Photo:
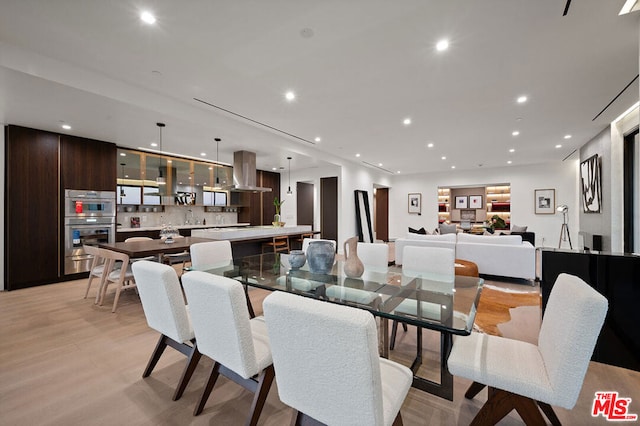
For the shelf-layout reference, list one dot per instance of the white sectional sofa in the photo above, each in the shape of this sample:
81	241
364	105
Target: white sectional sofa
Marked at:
501	255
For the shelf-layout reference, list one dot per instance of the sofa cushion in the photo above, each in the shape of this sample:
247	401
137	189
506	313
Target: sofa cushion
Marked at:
448	228
490	239
516	228
446	237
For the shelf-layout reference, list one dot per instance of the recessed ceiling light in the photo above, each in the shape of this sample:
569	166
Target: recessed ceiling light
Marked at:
406	121
522	99
443	157
318	139
515	133
509	162
66	127
274	168
430	145
379	164
442	45
453	167
567	136
512	150
203	154
123	154
290	96
357	155
558	146
147	18
398	172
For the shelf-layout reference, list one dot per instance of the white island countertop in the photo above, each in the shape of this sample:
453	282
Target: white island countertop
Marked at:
251	232
157	228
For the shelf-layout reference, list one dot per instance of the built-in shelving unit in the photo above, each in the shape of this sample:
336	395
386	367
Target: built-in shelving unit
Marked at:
444	198
499	202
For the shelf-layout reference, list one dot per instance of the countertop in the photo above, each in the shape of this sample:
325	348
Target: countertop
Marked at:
248	233
157	228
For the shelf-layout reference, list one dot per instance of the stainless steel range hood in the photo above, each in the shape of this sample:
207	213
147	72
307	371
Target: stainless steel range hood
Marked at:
244	173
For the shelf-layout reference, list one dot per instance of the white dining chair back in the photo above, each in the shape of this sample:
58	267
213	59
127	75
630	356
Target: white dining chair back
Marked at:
165	310
306	241
554	368
432	263
356	387
211	253
134	239
226	334
374	256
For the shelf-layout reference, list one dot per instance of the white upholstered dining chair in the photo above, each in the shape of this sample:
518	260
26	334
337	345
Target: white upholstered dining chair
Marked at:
436	264
524	376
374	256
214	253
327	364
166	312
238	345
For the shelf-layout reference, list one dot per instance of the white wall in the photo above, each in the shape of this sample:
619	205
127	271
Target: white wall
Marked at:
351	176
561	176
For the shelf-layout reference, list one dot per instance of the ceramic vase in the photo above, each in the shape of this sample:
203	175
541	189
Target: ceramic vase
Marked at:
353	266
297	259
320	256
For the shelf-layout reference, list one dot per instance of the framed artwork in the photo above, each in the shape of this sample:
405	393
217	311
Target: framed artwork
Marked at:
462	202
415	203
545	201
475	201
591	185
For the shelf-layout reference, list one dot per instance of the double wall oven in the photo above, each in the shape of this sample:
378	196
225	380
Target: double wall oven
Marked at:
90	219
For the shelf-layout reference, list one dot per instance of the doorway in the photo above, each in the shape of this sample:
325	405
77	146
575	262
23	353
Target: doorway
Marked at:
631	165
304	204
329	208
381	213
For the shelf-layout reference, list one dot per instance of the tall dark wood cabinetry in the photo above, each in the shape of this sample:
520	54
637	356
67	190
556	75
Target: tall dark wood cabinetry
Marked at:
39	165
32	215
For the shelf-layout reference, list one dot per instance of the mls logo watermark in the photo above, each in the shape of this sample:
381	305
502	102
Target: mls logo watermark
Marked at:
612	407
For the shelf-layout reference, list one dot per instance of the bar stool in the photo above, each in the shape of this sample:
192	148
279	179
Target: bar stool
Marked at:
279	243
301	238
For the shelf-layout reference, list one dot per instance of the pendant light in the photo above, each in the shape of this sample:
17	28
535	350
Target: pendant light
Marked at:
122	193
217	180
289	192
160	180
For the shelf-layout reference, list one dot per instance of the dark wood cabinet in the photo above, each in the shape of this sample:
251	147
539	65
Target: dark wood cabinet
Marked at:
87	164
257	207
32	207
39	165
615	276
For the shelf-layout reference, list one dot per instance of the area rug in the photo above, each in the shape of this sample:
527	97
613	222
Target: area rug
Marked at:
495	304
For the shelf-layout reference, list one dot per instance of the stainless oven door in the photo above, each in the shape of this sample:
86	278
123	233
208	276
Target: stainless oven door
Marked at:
84	231
89	203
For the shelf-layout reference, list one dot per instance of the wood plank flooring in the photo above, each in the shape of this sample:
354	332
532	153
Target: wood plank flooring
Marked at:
65	361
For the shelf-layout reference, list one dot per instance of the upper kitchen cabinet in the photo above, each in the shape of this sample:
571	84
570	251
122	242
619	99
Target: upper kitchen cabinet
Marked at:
87	164
129	181
182	187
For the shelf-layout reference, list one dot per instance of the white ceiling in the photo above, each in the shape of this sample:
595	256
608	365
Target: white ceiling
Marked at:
368	65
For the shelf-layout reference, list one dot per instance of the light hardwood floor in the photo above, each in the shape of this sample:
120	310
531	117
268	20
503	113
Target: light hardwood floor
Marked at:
65	361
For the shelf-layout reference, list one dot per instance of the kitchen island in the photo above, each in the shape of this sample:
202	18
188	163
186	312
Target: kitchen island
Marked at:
248	240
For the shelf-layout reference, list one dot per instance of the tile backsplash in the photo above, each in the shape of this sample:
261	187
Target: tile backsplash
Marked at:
177	215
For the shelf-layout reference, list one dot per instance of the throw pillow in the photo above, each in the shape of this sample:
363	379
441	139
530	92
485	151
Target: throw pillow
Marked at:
420	231
448	229
516	228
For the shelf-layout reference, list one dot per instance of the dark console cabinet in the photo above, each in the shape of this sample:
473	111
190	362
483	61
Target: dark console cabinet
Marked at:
617	277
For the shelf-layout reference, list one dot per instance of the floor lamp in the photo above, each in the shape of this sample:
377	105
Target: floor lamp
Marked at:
564	230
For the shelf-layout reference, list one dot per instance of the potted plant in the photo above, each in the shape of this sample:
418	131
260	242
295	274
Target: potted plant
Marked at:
276	219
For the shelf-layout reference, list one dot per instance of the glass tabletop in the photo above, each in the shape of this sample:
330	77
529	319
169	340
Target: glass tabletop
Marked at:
390	293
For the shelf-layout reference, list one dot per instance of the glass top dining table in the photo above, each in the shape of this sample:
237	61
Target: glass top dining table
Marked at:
389	293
